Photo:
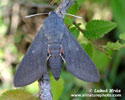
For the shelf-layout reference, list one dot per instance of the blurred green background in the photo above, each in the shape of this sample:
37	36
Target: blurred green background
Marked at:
17	33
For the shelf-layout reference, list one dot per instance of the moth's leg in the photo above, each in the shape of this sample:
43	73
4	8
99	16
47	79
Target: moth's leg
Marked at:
61	53
49	55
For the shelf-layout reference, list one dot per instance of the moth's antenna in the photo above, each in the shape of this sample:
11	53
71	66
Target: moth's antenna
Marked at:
36	15
48	13
74	15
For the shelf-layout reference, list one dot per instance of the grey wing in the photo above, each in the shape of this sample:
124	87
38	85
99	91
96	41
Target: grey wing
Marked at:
33	64
77	60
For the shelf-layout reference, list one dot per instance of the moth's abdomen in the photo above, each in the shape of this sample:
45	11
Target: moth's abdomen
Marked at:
55	60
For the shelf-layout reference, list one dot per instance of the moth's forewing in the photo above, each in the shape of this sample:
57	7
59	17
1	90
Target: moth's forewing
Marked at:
77	60
33	64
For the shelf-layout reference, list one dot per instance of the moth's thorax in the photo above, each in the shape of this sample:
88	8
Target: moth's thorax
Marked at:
53	32
53	35
54	27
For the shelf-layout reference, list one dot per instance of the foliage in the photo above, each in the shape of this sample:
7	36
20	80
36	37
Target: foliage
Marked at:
57	87
96	29
118	8
17	94
75	31
73	10
114	46
122	36
99	37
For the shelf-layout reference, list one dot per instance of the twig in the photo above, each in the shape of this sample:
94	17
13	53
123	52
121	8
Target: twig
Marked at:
78	26
63	7
45	88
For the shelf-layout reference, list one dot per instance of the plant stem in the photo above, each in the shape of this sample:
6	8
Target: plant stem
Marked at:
63	7
45	88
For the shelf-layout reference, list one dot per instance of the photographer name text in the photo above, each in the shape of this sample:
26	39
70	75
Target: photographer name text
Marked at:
105	90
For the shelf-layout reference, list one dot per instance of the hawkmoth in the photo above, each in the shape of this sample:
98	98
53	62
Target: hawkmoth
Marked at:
55	44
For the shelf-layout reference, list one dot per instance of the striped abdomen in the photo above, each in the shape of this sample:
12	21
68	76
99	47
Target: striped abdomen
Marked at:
55	60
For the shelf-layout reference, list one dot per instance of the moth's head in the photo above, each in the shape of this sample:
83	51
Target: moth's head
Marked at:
52	13
53	21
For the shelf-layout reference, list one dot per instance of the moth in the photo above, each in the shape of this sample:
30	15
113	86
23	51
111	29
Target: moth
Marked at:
55	44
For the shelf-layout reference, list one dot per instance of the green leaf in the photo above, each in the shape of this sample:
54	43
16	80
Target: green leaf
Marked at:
88	48
75	32
114	46
122	36
32	88
17	94
72	10
57	87
101	60
69	83
68	20
80	2
118	10
96	29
